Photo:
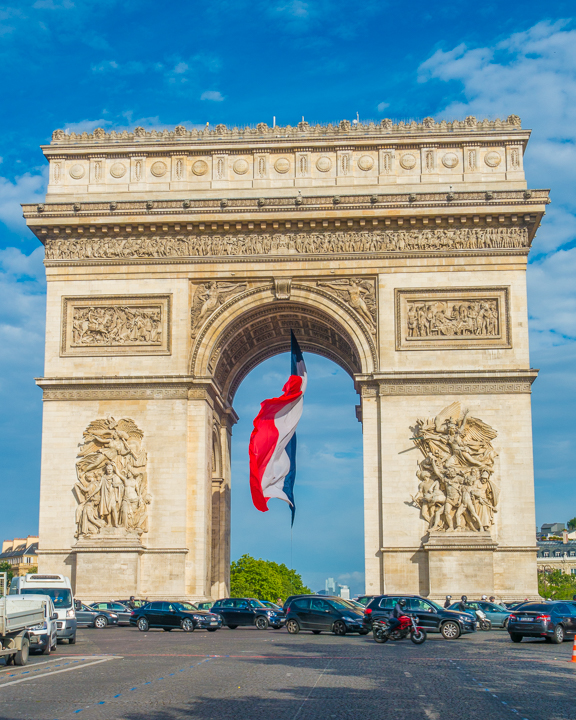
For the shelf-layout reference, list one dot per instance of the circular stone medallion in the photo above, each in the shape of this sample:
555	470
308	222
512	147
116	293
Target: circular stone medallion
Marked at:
450	160
200	167
158	168
324	164
366	163
240	167
408	161
282	165
77	172
493	159
118	170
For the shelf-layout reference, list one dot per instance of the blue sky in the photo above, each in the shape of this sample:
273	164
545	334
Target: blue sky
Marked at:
80	65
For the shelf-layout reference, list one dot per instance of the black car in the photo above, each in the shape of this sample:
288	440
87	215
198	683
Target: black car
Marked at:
554	621
173	615
117	608
431	616
247	611
99	619
323	613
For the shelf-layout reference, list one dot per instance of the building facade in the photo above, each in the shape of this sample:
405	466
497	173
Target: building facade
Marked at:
21	554
177	261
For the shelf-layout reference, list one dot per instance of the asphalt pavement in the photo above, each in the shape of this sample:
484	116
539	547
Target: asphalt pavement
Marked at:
246	674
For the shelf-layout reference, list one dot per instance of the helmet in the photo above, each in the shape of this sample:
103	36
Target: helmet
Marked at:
464	598
448	597
402	602
131	597
484	597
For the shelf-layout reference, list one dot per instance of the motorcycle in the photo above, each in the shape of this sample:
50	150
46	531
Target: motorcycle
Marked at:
482	622
382	633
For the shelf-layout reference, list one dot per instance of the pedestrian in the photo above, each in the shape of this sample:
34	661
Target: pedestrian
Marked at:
279	601
448	601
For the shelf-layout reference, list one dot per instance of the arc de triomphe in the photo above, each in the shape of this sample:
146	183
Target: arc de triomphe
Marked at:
177	261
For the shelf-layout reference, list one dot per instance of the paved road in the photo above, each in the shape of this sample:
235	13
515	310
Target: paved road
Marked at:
246	674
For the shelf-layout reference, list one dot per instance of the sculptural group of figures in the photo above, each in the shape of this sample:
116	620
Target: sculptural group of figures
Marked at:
457	490
112	487
469	317
304	243
116	325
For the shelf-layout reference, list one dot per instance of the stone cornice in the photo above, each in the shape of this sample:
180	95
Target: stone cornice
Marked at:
208	210
468	382
345	130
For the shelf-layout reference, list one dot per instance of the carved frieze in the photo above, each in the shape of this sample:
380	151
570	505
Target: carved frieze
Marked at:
112	486
208	297
305	243
116	325
454	318
457	488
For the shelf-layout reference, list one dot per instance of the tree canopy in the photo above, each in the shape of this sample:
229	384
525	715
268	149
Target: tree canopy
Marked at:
264	579
571	524
556	585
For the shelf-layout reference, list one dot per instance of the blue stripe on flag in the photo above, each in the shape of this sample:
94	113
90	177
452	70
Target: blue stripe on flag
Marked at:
296	353
291	476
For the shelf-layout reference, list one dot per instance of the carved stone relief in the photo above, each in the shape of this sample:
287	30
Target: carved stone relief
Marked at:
207	298
457	489
104	325
242	244
463	318
360	295
112	487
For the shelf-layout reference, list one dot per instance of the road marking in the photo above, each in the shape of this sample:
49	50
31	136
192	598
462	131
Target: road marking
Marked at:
55	672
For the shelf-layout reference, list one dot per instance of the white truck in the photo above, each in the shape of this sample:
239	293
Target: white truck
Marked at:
59	589
17	616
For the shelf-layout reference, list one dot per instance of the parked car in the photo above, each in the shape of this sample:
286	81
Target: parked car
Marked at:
431	616
554	621
120	610
99	619
497	614
323	613
248	611
173	615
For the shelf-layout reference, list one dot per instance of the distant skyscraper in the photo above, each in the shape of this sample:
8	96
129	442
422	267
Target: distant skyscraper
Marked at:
331	586
344	592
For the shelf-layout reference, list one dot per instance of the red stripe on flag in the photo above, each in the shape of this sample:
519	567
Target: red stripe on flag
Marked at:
265	436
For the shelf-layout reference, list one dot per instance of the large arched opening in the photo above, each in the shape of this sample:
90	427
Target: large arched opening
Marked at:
242	342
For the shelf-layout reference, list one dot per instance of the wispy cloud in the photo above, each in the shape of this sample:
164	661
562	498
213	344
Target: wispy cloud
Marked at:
212	95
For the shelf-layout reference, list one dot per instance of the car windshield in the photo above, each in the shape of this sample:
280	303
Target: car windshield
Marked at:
342	604
256	603
434	604
185	606
62	598
534	607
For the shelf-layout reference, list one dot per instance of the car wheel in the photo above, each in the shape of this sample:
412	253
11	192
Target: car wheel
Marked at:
293	627
187	625
316	632
558	635
21	657
450	630
100	622
232	627
143	625
261	622
72	640
505	623
516	637
339	628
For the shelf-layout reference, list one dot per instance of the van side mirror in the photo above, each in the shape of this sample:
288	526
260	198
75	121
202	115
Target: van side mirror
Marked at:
54	616
77	605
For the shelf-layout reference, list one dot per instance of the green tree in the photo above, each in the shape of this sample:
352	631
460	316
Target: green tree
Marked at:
571	524
7	568
556	585
264	579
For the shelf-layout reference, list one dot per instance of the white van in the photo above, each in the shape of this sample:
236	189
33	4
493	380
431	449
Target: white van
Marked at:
44	636
59	590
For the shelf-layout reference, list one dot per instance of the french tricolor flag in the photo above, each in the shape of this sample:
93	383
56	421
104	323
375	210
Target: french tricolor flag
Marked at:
272	446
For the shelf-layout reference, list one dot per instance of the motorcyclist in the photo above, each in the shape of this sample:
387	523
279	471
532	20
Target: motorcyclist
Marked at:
131	604
397	612
463	604
448	601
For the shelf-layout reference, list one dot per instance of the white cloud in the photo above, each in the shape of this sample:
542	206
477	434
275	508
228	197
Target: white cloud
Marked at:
213	95
296	8
51	5
382	106
26	188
